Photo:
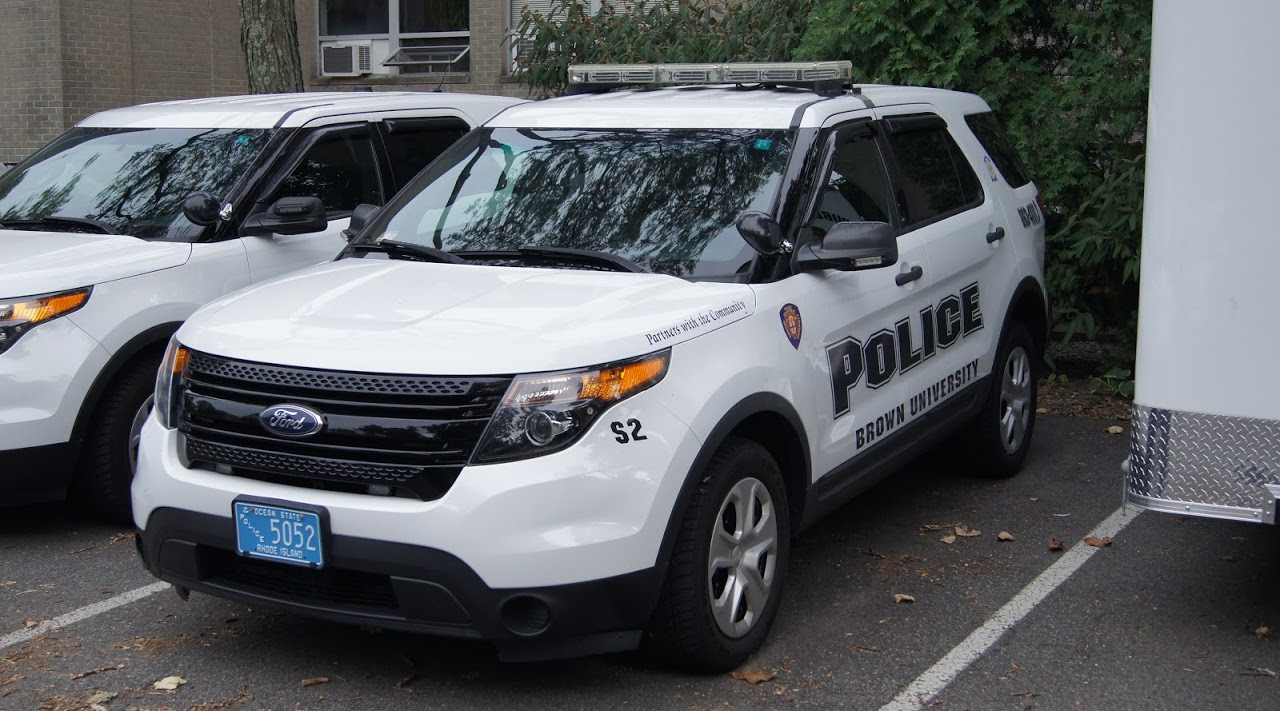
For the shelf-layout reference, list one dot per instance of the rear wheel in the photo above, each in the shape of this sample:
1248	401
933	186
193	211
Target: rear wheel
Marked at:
110	453
1001	435
724	583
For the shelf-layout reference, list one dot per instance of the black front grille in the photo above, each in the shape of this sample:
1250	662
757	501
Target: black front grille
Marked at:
407	435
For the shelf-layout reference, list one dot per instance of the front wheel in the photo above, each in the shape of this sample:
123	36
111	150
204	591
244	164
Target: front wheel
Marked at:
1001	435
724	583
110	452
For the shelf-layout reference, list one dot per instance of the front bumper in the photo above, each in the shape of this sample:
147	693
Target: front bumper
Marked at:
575	535
404	587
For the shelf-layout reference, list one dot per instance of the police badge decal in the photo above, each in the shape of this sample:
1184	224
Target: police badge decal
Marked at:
791	324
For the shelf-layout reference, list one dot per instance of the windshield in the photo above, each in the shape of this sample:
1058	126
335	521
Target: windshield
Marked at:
667	199
133	180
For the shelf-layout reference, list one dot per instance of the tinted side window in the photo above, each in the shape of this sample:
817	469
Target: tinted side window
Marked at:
340	169
413	143
857	187
936	177
999	147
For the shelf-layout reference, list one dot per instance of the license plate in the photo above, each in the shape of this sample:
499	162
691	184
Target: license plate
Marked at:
279	533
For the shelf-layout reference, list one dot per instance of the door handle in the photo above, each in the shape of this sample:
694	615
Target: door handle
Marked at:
995	235
909	276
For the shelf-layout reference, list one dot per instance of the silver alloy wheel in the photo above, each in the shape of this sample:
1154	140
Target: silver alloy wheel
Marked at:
1015	399
135	431
740	567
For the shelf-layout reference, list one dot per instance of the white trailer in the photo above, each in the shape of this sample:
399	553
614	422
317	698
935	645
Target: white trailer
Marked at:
1206	415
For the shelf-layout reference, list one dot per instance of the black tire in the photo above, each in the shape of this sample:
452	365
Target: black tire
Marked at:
105	469
685	631
998	440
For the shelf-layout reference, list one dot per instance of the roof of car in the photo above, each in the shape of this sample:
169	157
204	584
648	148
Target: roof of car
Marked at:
272	110
715	106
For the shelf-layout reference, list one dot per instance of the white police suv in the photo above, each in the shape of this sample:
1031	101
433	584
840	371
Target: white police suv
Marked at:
111	235
576	387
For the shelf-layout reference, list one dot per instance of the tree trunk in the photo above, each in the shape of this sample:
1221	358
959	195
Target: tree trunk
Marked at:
269	36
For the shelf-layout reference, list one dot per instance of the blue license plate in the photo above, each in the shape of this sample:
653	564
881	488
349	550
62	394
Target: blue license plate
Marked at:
279	533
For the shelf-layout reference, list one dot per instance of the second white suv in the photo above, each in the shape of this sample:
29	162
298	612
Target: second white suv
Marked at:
114	233
579	383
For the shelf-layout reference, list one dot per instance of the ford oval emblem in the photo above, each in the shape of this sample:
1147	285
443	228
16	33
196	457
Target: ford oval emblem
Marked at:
291	420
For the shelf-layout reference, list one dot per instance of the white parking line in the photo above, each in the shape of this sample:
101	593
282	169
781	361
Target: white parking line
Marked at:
931	683
83	613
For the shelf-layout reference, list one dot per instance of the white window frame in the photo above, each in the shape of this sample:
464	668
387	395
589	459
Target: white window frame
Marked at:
394	35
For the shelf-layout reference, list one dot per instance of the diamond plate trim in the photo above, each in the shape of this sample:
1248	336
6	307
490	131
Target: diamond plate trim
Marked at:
1203	460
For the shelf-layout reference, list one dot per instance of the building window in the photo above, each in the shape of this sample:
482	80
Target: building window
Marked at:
394	37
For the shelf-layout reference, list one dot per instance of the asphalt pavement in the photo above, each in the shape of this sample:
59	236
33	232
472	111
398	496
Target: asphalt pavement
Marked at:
1175	613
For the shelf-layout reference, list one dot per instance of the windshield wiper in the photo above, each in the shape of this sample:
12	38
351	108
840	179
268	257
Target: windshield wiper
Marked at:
413	251
61	220
588	256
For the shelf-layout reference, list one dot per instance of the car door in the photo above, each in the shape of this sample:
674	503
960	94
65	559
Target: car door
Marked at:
945	207
337	164
860	320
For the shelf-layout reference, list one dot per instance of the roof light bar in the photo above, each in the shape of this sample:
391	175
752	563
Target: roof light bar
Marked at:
731	73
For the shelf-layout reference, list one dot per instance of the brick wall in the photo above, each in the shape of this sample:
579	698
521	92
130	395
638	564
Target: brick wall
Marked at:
62	60
30	77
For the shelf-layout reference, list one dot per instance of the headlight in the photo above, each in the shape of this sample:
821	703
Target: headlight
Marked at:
168	380
17	316
546	412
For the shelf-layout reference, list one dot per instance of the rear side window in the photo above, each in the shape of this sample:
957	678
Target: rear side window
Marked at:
999	147
936	179
413	143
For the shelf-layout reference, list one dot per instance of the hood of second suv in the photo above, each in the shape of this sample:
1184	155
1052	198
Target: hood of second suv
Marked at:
42	262
412	317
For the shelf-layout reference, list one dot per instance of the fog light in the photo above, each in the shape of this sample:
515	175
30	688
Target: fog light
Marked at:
542	427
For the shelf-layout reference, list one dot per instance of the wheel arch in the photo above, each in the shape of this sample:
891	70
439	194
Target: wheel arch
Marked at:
1029	306
155	337
772	422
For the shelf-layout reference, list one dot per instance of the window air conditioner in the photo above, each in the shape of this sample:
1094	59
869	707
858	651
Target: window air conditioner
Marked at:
345	59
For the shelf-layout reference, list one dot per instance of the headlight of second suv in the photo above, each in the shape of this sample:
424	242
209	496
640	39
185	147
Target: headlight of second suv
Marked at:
546	412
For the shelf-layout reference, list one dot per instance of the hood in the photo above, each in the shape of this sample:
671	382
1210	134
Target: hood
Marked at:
390	316
41	262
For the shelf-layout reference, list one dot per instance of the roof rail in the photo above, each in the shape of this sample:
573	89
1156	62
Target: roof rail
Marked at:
824	78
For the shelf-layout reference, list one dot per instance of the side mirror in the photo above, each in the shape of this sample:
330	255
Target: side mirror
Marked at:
360	218
287	216
201	208
851	246
761	231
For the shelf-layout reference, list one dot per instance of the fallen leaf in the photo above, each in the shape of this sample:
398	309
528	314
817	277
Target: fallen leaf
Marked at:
1035	498
1098	542
1042	410
1005	536
30	623
1115	429
1263	632
313	681
948	539
903	598
930	527
753	677
1055	544
966	532
101	697
169	683
1229	558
